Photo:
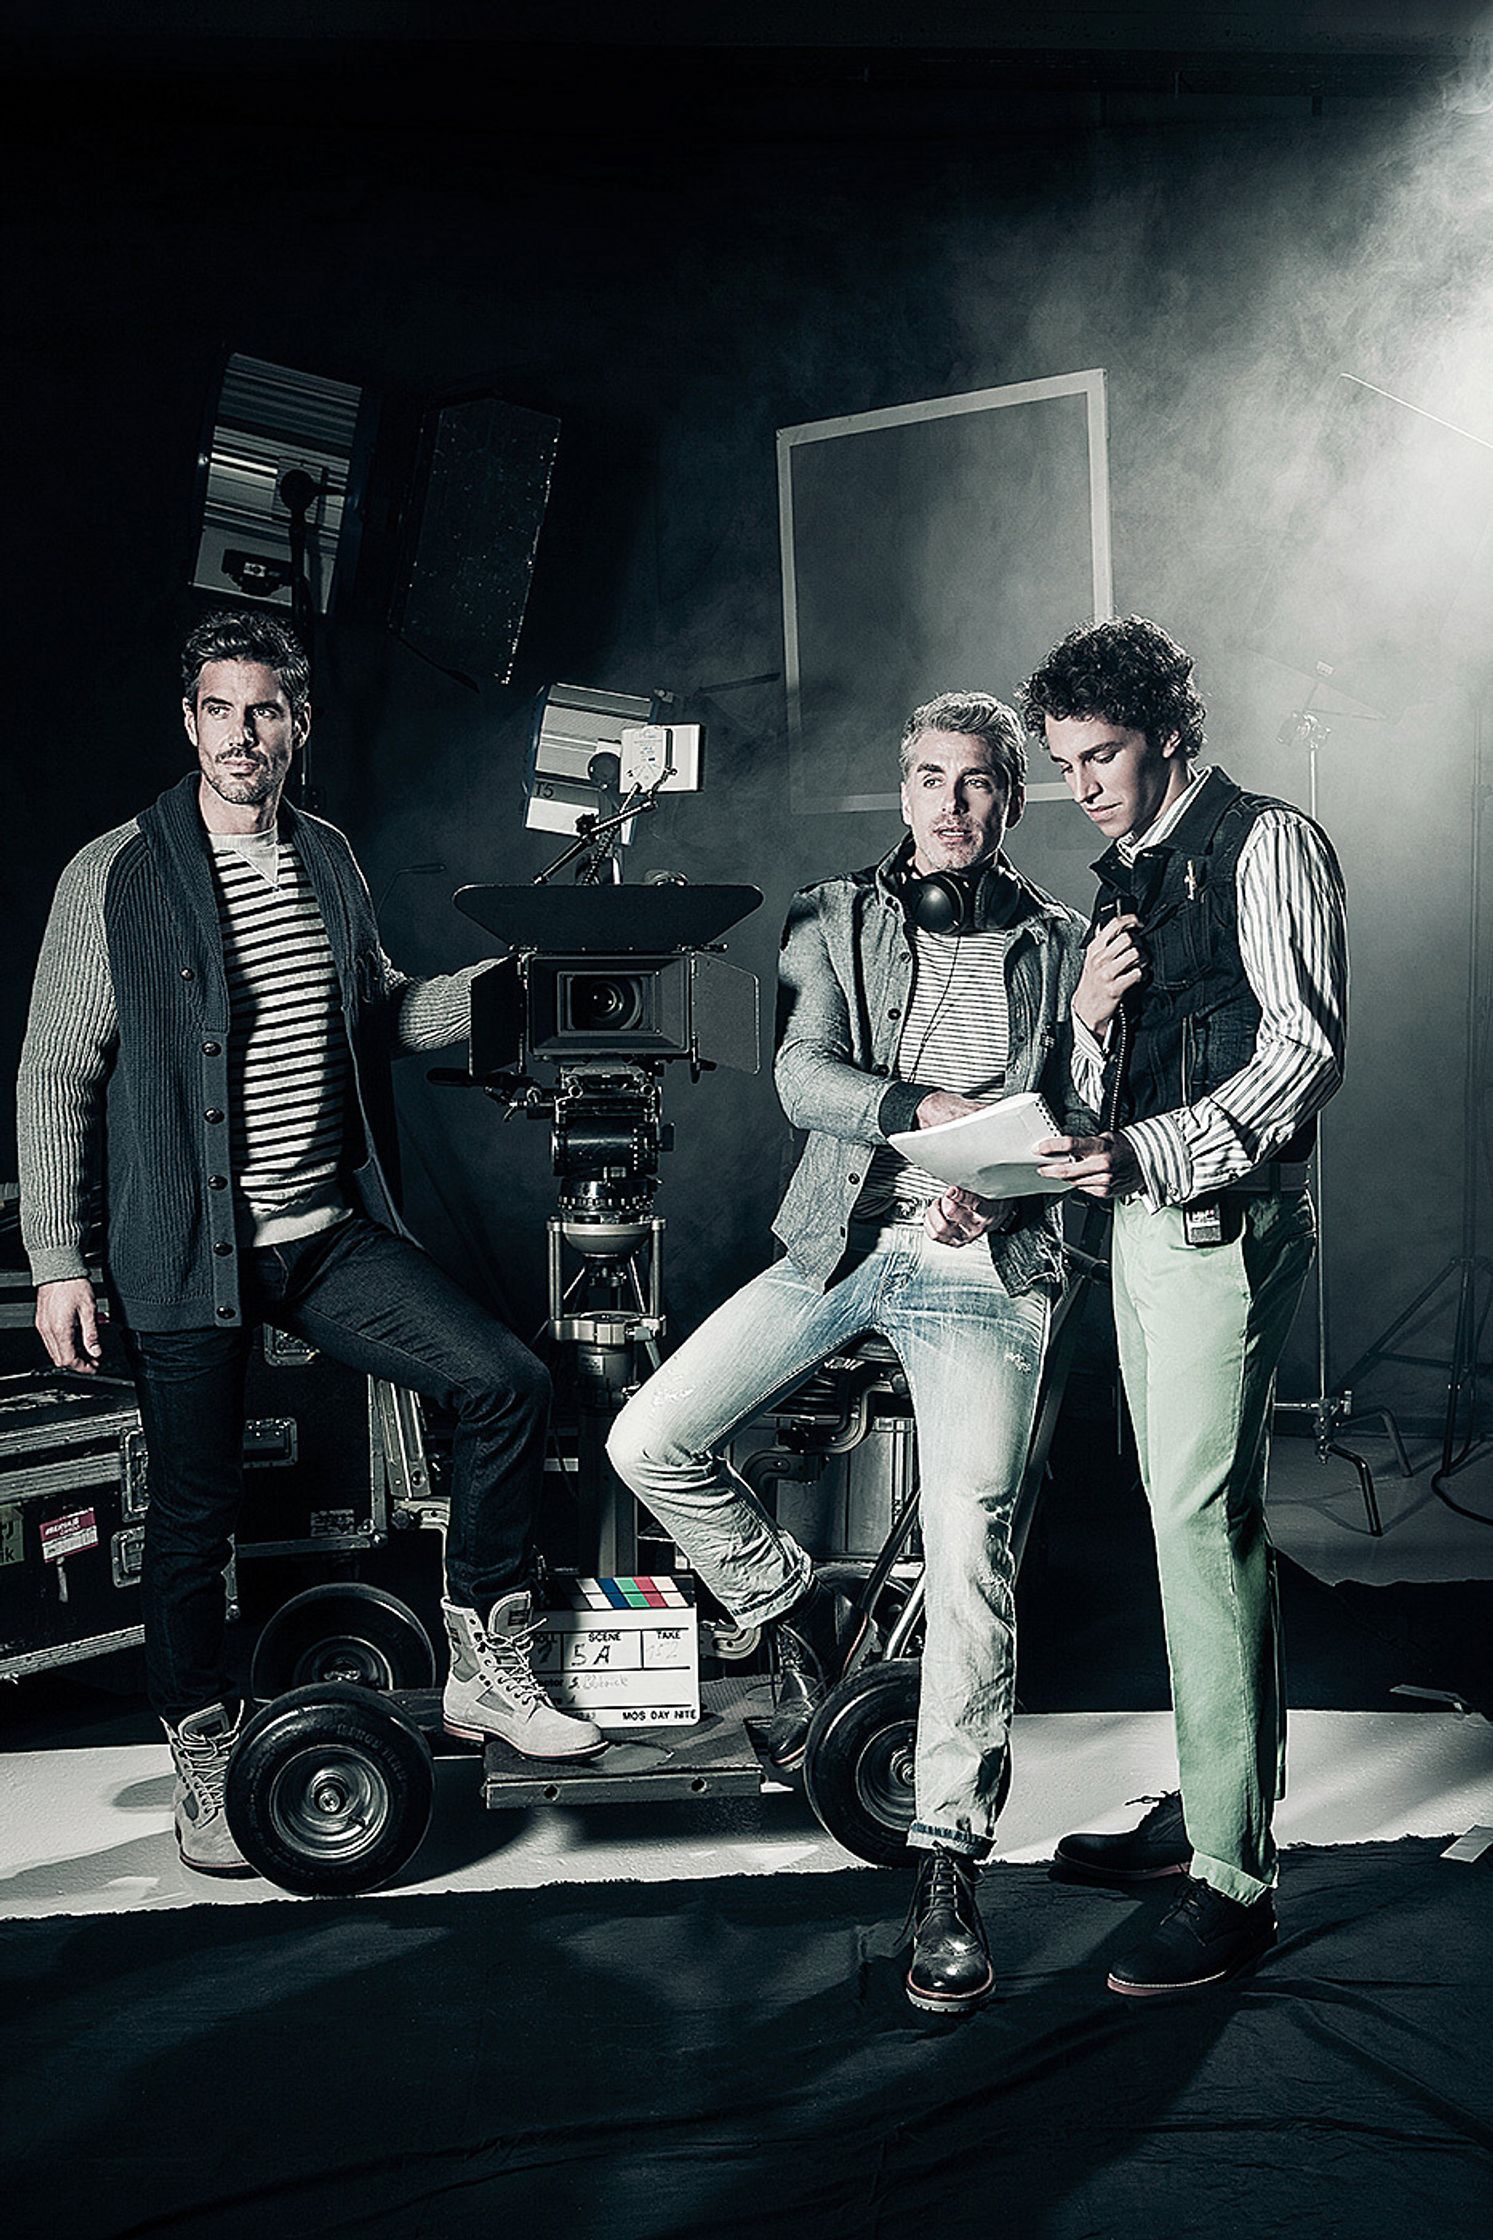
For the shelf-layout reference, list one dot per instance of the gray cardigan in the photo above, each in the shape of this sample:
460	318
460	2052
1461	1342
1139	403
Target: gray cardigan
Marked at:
844	980
127	1053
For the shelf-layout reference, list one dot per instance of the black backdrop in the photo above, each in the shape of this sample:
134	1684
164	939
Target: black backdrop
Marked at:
677	254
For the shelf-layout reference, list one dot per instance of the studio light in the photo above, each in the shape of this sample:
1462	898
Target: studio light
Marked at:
587	750
284	449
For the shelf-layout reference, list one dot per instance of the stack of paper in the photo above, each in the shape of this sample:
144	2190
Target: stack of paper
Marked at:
989	1151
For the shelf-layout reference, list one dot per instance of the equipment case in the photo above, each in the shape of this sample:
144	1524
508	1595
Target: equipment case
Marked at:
72	1510
327	1455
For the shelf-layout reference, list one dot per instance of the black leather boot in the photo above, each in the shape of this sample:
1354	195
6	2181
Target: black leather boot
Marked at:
1158	1846
807	1654
951	1972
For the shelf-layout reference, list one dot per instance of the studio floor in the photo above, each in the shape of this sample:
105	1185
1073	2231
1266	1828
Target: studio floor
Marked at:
89	1831
671	2020
87	1827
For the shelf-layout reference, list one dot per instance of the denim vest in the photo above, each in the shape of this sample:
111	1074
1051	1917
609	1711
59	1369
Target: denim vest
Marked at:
1198	1018
844	982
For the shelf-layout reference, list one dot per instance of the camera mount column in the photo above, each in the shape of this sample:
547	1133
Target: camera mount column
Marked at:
608	986
607	1138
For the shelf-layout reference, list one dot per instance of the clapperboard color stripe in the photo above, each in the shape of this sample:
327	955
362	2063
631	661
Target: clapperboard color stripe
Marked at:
620	1594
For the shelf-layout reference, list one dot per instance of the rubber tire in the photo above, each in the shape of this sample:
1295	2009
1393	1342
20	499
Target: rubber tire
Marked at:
342	1631
343	1735
848	1580
859	1761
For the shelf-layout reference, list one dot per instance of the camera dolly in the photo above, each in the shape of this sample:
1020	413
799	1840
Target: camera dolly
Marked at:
332	1783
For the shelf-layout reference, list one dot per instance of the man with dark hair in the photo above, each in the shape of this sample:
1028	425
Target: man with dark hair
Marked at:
1209	1027
910	993
212	1001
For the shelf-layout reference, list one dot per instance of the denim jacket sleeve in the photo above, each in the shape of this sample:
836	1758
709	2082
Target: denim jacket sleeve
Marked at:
819	1083
1075	1116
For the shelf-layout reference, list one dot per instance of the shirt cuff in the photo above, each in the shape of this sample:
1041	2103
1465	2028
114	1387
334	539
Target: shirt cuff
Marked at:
67	1265
432	1014
1088	1044
1162	1156
897	1113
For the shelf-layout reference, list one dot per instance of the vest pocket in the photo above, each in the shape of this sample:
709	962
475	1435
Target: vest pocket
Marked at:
1214	1047
1175	952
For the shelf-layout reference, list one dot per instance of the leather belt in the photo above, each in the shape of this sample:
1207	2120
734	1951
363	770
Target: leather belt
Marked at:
1278	1177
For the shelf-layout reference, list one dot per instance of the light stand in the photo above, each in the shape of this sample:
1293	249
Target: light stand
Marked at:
1468	1269
299	492
594	848
1370	582
1330	1411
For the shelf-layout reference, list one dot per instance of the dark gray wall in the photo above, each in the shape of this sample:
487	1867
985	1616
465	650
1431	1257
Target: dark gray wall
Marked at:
676	282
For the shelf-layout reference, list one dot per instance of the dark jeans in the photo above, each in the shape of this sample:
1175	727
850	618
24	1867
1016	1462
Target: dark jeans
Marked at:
368	1298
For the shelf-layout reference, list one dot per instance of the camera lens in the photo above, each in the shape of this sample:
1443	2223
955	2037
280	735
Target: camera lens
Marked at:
605	1003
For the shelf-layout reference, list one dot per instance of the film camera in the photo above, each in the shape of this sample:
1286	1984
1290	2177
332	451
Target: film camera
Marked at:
605	987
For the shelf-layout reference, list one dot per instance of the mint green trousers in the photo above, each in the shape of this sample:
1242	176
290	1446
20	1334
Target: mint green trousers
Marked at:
1201	1329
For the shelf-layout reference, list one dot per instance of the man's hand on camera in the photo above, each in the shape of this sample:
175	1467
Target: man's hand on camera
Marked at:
67	1316
946	1104
1113	964
958	1217
1100	1166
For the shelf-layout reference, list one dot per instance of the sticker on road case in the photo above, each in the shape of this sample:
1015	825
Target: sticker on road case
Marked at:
12	1546
625	1652
328	1524
69	1535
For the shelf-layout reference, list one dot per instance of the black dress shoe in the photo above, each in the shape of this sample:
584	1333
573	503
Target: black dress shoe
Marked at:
1157	1846
807	1653
951	1972
1204	1939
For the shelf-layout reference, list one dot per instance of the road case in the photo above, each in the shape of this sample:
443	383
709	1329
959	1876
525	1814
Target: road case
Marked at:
72	1509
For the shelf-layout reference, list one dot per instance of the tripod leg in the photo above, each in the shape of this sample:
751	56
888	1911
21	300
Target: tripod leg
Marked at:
1393	1431
1464	1364
1381	1348
1365	1487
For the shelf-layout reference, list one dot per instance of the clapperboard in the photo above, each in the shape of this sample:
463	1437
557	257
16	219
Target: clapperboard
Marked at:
623	1651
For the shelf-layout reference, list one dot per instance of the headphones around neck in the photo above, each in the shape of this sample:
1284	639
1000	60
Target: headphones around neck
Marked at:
962	902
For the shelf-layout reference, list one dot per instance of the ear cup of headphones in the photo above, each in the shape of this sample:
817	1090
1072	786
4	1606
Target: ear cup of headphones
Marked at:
961	902
939	903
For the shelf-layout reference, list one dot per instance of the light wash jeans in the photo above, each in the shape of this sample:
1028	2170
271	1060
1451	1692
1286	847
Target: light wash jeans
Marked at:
973	1358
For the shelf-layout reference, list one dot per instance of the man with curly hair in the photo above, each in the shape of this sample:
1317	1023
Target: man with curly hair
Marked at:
1209	1026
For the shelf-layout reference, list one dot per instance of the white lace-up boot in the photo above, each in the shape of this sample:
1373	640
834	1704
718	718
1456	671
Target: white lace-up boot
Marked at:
492	1689
200	1749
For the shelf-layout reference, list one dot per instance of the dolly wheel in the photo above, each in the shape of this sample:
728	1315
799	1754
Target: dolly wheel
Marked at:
859	1763
858	1769
330	1790
342	1631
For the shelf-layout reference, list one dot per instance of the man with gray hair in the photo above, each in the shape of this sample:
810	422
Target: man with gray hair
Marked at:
909	993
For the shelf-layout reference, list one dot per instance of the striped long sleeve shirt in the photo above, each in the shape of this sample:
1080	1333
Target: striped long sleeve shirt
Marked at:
1293	944
956	1035
71	1047
289	1063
